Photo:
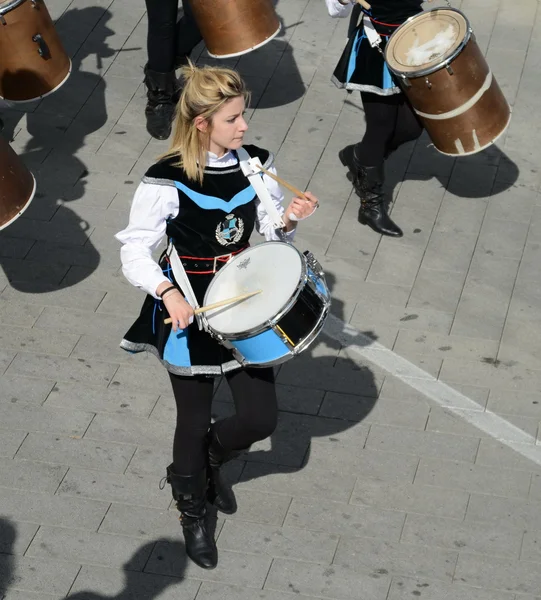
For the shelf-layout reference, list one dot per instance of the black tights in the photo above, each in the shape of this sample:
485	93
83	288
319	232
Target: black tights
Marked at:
168	39
254	395
390	122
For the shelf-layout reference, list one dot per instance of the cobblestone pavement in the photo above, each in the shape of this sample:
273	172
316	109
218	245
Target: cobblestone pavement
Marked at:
406	466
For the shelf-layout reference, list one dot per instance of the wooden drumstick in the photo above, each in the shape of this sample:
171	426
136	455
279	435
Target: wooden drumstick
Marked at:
287	185
364	4
219	304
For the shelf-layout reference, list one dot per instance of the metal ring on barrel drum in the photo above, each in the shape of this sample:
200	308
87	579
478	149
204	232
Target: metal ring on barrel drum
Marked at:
444	63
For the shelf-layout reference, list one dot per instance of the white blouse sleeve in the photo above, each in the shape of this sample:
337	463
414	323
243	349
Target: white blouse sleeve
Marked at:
264	224
337	9
151	207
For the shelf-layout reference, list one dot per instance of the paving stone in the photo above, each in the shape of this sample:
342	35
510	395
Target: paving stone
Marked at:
498	573
395	559
410	498
449	251
445	345
294	435
83	299
88	547
138	521
62	369
126	429
36	575
15	538
29	417
344	519
96	399
326	581
366	462
403	318
233	568
79	322
260	507
112	487
473	478
37	340
76	452
438	290
479	538
498	454
452	421
21	315
31	476
147	376
396	439
404	587
490	374
309	482
92	581
215	591
45	509
283	542
10	442
383	411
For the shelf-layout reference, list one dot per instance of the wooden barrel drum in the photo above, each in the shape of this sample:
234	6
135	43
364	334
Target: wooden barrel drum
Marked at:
234	27
33	62
448	82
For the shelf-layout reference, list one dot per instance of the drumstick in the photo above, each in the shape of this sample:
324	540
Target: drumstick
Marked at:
219	304
287	185
364	4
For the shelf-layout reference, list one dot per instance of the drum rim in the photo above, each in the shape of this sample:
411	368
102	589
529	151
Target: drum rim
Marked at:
271	320
442	64
10	5
251	49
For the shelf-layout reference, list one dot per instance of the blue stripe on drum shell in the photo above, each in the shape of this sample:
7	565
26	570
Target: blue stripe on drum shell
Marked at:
262	348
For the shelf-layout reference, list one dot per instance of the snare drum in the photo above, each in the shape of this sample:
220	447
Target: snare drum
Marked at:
282	321
446	78
33	62
235	27
17	185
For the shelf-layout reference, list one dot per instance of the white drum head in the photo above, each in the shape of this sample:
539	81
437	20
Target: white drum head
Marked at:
273	267
426	40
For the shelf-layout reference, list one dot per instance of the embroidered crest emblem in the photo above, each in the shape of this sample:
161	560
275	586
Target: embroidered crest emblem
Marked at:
230	230
244	263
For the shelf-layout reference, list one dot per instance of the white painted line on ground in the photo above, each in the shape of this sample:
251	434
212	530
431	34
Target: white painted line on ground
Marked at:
437	391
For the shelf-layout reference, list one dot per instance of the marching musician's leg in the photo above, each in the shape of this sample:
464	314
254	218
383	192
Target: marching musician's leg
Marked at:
188	35
408	127
160	80
256	406
188	472
365	161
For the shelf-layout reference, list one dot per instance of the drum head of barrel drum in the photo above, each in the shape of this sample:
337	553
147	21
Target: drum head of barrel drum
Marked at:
426	41
273	267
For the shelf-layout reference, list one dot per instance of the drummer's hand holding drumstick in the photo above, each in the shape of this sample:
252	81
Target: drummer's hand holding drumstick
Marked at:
179	310
300	208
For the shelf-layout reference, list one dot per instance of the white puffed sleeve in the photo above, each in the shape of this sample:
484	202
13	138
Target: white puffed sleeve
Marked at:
337	9
151	207
264	224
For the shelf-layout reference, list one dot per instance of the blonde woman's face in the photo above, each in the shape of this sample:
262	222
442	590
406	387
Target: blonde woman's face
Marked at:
228	127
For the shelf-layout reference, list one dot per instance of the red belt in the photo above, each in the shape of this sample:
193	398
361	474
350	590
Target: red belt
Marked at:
195	265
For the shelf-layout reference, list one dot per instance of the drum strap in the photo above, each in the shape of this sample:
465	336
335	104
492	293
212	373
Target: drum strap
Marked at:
256	180
373	36
182	279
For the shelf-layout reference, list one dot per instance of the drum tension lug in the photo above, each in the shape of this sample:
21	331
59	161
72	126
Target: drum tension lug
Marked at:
450	70
2	20
34	3
43	49
429	85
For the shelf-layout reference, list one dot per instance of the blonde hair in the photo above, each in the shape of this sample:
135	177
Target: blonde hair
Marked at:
206	90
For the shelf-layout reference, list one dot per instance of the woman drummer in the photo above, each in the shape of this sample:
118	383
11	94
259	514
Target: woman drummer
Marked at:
199	198
390	120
